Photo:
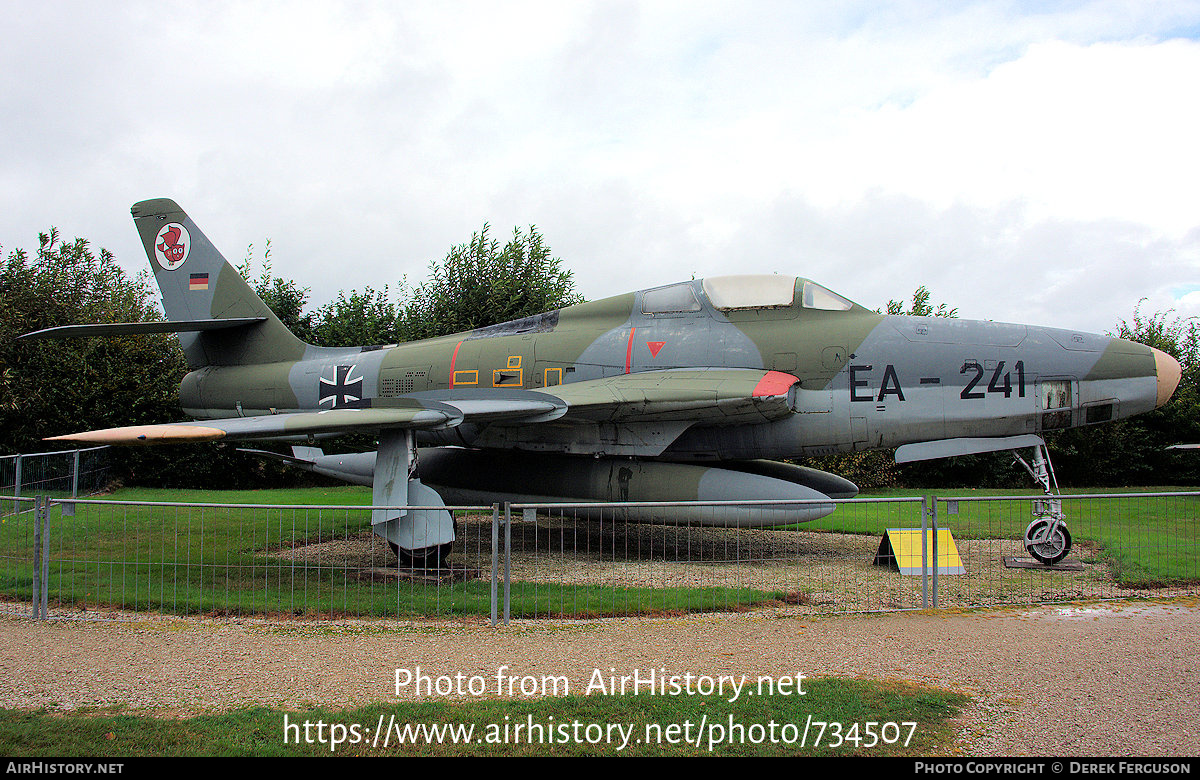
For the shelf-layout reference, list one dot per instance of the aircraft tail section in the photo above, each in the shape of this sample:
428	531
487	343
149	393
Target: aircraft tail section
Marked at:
198	284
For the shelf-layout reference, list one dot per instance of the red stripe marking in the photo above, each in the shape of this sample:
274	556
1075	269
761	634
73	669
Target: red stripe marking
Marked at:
453	358
774	383
629	350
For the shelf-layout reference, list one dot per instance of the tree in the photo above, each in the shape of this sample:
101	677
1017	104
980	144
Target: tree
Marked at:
1134	451
283	296
367	317
63	386
479	283
55	387
920	306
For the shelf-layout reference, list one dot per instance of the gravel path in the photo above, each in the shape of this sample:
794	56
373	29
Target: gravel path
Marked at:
1113	678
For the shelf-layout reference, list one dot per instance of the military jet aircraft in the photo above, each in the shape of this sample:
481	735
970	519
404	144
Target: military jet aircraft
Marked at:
687	391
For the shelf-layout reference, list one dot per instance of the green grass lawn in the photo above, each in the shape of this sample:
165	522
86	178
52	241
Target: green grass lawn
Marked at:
260	731
289	561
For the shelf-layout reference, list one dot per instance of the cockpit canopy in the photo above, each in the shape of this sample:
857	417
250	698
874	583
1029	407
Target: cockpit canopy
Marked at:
747	291
759	291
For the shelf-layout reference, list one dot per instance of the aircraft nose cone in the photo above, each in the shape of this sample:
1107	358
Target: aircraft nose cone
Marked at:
1168	371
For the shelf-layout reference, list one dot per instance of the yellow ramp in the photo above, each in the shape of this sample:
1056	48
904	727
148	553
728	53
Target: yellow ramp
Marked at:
900	549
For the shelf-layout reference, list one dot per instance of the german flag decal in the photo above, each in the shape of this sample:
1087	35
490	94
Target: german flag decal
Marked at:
198	282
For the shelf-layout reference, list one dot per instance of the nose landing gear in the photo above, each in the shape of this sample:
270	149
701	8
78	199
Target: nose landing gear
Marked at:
1046	538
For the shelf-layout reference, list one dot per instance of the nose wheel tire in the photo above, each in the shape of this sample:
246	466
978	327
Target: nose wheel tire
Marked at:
1045	544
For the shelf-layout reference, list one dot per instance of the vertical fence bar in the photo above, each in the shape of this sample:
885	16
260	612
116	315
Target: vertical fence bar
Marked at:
75	475
17	476
507	561
925	551
936	559
495	557
36	598
44	569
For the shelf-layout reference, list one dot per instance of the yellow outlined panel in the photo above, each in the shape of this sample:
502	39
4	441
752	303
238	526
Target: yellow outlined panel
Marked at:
507	377
514	361
553	377
466	377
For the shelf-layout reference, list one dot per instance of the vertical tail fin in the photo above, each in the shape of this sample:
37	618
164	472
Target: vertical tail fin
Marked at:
197	283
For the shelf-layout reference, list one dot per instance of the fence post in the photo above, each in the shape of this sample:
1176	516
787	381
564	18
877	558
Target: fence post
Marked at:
925	551
17	476
45	567
36	598
68	508
41	558
507	561
934	523
495	557
75	476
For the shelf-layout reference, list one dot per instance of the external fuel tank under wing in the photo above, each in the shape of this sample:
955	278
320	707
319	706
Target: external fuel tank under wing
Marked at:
761	493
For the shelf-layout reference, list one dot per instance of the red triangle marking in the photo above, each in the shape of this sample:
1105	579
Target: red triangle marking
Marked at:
655	346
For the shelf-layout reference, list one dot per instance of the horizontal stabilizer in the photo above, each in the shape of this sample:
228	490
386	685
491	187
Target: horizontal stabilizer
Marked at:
291	460
952	448
140	328
355	467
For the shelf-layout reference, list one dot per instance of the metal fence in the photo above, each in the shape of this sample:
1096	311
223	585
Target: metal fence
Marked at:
59	474
110	559
1123	545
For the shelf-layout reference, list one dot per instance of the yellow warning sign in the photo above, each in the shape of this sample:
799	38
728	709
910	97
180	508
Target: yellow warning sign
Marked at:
900	549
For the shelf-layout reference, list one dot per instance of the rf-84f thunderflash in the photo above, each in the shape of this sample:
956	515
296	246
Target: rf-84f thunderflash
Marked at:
686	392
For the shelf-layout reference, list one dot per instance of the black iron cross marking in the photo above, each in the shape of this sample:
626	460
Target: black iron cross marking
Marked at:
342	390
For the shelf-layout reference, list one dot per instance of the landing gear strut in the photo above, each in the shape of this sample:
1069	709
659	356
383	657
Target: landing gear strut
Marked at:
1046	538
413	518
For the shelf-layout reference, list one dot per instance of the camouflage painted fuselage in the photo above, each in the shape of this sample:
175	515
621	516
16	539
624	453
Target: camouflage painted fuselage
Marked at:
863	380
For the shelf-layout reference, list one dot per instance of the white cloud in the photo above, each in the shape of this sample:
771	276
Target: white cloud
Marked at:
1079	132
1046	157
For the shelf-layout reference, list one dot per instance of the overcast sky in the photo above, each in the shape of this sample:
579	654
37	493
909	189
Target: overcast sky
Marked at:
1034	162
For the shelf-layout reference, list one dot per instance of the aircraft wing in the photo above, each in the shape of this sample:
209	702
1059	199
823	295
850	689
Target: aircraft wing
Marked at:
267	426
711	396
301	424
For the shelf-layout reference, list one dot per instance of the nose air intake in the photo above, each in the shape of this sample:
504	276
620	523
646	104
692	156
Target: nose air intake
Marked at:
1168	372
